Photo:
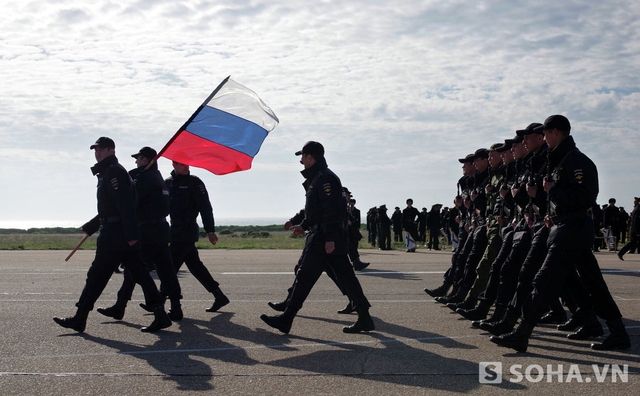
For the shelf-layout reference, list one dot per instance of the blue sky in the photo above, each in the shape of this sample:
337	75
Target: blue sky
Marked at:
395	90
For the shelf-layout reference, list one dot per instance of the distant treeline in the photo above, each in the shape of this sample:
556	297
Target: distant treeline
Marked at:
72	230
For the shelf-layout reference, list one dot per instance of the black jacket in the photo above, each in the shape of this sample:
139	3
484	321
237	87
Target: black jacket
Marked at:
116	218
574	193
188	197
325	207
153	204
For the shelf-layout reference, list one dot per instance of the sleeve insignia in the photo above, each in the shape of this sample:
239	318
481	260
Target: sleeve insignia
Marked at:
579	176
114	183
326	188
202	189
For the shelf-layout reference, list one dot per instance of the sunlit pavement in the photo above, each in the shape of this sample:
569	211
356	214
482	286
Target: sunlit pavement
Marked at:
418	347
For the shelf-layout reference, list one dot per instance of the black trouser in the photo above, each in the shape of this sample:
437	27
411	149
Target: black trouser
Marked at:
558	269
479	244
450	274
510	270
313	261
353	249
461	255
530	266
491	290
160	256
186	253
330	273
384	238
397	234
634	241
102	268
434	238
570	250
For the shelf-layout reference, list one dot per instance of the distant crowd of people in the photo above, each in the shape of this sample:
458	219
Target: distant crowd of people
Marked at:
426	227
613	225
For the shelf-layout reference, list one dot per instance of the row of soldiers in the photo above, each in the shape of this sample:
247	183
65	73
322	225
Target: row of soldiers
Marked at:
526	239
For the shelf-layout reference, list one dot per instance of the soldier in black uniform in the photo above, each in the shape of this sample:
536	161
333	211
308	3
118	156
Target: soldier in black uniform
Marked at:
384	229
409	222
153	209
634	230
572	188
325	243
117	242
353	231
188	198
396	219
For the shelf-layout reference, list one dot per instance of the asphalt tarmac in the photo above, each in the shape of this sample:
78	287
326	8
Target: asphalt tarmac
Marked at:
419	346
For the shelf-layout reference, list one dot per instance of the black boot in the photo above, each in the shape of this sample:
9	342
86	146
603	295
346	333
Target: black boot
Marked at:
590	328
553	317
161	320
220	300
364	322
78	322
478	313
496	316
281	322
348	309
504	326
577	320
518	340
359	265
445	299
458	297
116	311
618	339
440	290
468	302
149	308
279	306
175	312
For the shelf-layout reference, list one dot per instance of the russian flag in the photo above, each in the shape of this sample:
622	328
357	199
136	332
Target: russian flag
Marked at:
225	133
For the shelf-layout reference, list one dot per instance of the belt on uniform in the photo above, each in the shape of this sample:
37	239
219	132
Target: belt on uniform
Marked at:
151	221
106	220
182	221
559	219
314	228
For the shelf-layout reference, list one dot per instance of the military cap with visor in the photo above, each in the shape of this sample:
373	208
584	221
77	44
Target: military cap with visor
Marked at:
312	148
103	142
146	152
531	128
555	121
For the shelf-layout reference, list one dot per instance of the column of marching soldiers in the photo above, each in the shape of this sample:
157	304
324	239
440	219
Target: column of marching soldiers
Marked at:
503	243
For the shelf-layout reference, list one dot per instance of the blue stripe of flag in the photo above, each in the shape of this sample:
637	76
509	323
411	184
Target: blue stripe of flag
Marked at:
228	130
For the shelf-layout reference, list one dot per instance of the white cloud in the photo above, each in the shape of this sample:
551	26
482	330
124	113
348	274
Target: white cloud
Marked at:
396	90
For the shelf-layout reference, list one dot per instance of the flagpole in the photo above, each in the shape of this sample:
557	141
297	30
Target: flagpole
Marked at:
215	91
77	247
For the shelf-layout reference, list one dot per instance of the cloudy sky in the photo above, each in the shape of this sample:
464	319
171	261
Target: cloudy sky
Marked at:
395	90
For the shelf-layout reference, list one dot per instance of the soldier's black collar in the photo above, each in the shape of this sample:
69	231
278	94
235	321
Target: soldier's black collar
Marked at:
315	168
104	164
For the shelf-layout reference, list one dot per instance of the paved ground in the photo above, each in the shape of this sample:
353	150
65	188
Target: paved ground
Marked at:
419	346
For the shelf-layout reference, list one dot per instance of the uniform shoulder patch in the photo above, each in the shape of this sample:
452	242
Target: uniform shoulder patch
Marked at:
326	187
115	184
578	175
